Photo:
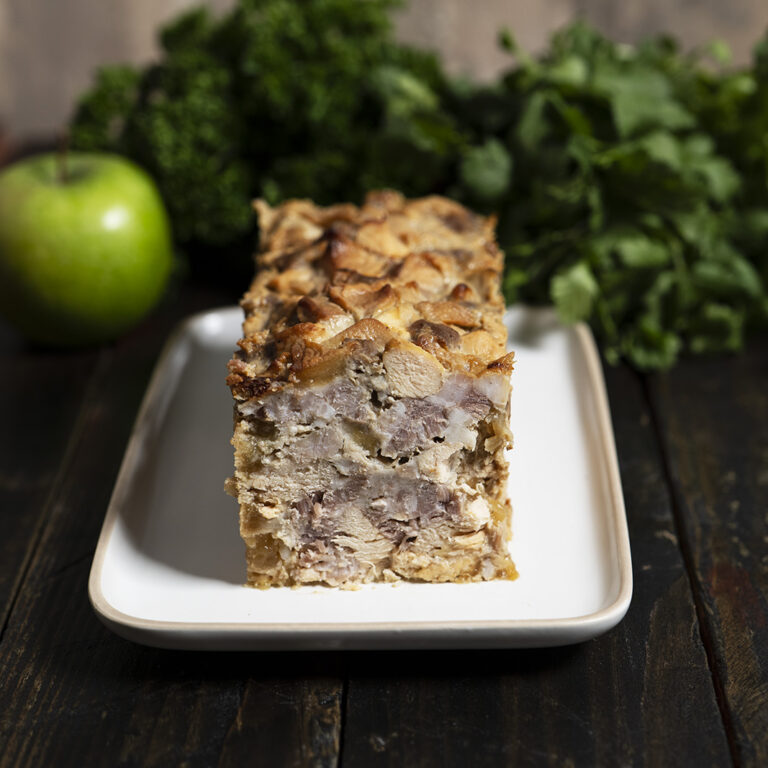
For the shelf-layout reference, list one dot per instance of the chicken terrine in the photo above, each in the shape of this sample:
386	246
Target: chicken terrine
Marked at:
371	389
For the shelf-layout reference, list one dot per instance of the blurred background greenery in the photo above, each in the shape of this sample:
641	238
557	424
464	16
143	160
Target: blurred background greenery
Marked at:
630	180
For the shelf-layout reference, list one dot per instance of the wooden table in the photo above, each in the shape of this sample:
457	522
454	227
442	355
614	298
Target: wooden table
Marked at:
683	680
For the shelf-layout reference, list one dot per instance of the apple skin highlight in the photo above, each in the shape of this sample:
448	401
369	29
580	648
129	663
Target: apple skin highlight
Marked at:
85	253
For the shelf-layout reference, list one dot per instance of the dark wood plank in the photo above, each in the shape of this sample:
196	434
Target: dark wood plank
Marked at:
640	695
290	716
73	694
41	393
713	419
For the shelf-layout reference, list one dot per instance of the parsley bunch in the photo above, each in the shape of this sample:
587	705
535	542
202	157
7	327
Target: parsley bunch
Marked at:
631	183
278	98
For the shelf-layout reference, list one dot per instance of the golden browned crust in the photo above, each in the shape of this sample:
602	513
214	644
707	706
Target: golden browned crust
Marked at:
416	281
372	396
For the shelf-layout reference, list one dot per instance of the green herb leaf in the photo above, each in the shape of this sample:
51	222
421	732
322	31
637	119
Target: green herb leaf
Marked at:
640	97
640	252
649	347
573	292
486	171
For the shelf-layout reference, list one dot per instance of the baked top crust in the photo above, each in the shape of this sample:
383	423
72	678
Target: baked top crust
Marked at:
416	281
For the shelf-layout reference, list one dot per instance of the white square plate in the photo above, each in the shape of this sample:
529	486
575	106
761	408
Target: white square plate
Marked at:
169	566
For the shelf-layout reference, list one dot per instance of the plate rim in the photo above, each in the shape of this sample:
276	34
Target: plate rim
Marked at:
498	633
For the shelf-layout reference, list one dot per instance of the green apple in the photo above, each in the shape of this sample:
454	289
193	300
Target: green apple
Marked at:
85	247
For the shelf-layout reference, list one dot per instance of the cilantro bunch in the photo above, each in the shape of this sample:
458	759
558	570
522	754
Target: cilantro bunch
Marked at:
631	183
632	190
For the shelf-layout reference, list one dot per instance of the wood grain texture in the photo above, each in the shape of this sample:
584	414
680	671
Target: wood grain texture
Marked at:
73	38
290	716
40	397
713	419
73	694
467	39
50	51
693	22
640	695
